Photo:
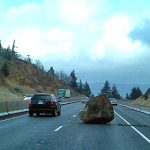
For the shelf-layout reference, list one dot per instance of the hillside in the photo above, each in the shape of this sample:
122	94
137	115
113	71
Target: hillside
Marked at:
25	77
143	100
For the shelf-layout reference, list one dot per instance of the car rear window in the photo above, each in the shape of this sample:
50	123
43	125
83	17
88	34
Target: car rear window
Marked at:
41	97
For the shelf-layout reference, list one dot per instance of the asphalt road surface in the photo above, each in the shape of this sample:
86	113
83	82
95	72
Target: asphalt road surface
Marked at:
130	130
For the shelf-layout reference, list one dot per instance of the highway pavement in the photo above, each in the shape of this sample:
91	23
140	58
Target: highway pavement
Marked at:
130	130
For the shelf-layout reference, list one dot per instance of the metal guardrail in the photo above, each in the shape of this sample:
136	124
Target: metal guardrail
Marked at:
12	107
7	107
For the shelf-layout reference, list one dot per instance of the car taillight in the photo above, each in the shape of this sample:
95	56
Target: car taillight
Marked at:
53	103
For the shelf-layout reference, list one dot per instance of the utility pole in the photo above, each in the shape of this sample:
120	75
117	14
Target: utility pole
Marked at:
29	59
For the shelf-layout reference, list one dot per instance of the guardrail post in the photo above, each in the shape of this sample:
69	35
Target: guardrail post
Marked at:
7	108
17	105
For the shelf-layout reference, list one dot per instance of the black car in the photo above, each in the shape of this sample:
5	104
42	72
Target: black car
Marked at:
44	103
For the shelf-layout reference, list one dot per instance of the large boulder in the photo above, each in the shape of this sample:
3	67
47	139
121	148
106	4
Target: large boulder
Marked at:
98	110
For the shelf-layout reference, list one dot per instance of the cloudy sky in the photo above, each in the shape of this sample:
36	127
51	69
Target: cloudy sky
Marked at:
100	39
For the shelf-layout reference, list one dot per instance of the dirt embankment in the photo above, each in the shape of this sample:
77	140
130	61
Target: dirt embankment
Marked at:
140	103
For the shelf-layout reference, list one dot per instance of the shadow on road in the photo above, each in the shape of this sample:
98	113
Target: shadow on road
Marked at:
117	124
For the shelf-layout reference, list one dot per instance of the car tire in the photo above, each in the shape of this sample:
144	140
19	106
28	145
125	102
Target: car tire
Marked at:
55	113
30	114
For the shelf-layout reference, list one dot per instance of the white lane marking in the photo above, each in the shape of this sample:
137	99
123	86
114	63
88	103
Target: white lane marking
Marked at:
74	116
58	128
142	135
13	118
81	110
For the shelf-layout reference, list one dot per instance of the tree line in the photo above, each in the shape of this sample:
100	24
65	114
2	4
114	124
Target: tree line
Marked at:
8	53
71	81
113	92
110	92
134	94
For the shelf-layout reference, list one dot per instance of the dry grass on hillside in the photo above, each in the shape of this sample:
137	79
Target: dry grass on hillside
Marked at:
27	74
25	78
141	101
5	94
14	91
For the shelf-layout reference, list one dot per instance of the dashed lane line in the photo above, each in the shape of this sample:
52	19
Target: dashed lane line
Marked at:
142	135
58	128
74	116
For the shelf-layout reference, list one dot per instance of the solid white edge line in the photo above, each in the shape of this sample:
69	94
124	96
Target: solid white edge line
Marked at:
74	116
136	109
58	128
13	118
142	135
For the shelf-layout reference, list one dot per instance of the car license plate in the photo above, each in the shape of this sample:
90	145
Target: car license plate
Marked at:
40	102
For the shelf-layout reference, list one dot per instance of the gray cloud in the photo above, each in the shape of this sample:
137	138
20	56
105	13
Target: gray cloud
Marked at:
142	32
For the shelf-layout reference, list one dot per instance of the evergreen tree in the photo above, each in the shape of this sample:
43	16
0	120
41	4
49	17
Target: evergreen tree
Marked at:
14	54
127	96
13	48
7	52
80	87
0	46
115	93
86	89
146	94
73	80
51	73
135	93
106	89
